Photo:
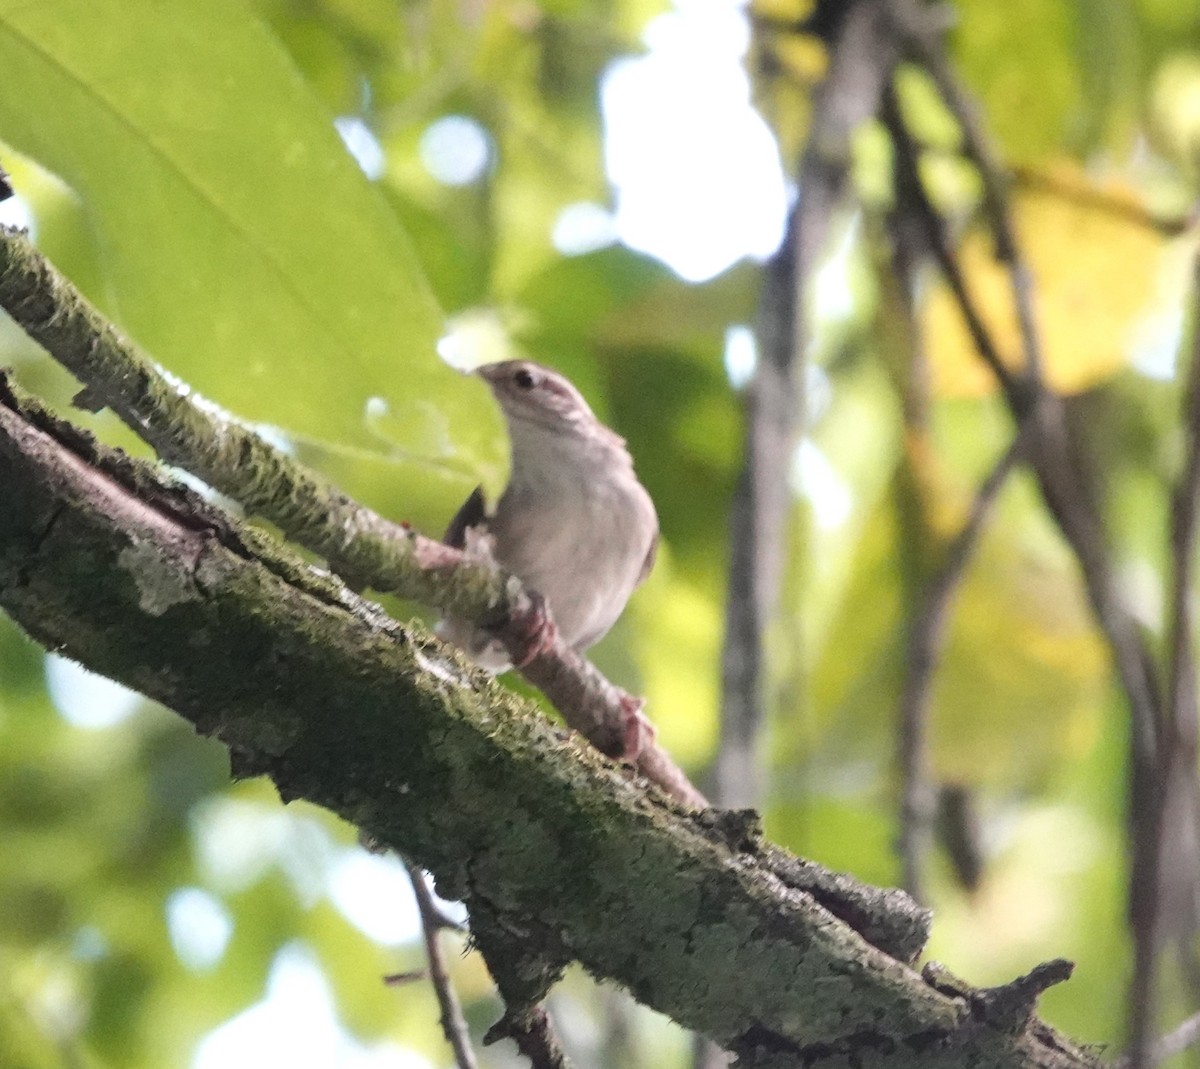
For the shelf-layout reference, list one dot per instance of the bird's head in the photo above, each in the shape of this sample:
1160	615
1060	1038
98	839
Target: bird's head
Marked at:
529	392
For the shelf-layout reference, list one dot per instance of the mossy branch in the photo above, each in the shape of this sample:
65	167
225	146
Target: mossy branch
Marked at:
305	682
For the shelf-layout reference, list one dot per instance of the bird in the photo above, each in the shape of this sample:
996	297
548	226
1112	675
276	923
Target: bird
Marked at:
574	524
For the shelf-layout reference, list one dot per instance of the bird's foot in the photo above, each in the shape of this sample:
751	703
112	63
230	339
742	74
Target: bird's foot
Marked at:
637	733
530	632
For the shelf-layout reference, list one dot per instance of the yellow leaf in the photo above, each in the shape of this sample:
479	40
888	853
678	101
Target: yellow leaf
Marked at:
1097	263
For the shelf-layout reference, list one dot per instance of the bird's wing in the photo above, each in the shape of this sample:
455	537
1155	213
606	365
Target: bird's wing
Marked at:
472	513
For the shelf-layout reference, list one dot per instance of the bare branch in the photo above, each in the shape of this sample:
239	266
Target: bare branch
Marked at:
926	636
1055	461
1061	476
1059	470
909	181
757	524
454	1026
1165	843
861	62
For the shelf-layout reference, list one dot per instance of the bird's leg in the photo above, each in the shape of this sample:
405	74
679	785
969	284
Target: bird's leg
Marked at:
637	733
529	631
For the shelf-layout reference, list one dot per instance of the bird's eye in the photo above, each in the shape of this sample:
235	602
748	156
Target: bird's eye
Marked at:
524	379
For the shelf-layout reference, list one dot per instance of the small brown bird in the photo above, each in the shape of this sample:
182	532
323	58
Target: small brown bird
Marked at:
574	523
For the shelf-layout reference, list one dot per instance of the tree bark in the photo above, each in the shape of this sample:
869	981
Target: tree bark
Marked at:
554	849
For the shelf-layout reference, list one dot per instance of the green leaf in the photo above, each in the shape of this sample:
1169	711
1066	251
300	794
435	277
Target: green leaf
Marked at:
1021	61
243	247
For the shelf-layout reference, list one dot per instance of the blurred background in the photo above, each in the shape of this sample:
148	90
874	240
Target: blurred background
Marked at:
298	206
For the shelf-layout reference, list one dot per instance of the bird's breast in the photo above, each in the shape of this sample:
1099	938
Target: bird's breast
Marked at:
579	540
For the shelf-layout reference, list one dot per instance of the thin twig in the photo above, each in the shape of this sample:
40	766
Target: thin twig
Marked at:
927	44
365	548
454	1026
1182	1037
1101	201
1164	869
399	979
1057	465
926	637
912	378
908	179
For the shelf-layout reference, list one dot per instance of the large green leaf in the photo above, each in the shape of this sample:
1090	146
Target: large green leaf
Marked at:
243	247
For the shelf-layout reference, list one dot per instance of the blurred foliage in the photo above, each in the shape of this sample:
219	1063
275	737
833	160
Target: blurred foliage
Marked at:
185	172
1104	285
